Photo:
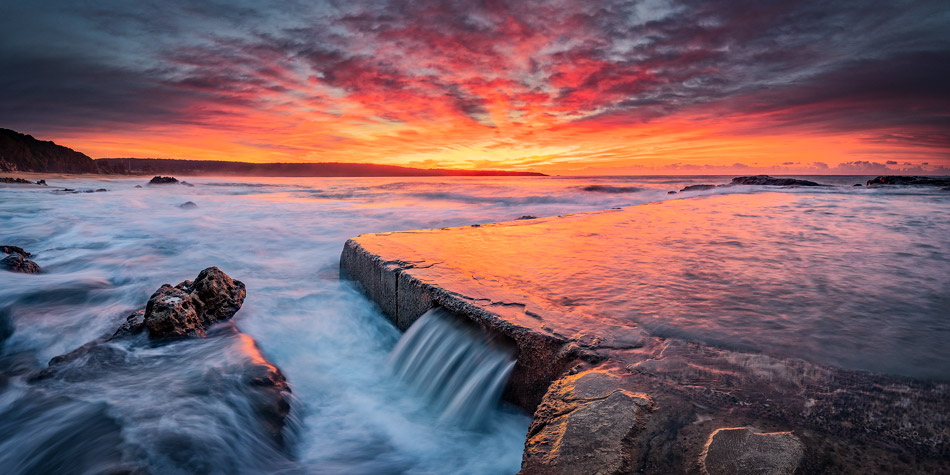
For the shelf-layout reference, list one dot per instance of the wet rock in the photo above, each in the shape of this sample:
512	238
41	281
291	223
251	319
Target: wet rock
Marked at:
190	307
770	181
584	425
15	250
909	180
857	184
188	205
138	186
698	187
671	192
183	182
15	181
133	325
16	261
163	180
742	450
41	182
527	216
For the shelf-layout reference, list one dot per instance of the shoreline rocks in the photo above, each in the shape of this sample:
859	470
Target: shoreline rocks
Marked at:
908	181
17	260
163	180
770	181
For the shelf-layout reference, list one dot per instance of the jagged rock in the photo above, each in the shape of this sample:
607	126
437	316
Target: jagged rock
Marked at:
909	180
16	261
17	181
583	425
190	307
699	187
527	216
133	325
744	451
163	180
15	250
188	205
770	181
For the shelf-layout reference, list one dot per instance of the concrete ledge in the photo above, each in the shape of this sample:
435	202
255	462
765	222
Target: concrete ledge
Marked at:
609	398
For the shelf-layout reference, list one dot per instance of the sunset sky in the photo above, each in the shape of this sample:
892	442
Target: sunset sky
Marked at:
568	87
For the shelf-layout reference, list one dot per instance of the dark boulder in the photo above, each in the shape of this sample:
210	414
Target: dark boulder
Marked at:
190	307
671	192
699	187
163	180
770	181
527	216
857	184
188	205
909	180
16	261
41	182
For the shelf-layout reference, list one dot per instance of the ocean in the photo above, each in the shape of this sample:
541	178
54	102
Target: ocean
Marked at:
870	293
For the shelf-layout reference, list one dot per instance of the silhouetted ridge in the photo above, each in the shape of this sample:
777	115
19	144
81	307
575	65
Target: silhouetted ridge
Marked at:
23	153
213	167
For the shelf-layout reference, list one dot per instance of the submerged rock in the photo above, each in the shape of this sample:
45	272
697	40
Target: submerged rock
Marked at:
771	181
909	180
15	181
698	187
741	451
183	182
16	261
41	182
163	180
527	216
190	307
188	205
610	189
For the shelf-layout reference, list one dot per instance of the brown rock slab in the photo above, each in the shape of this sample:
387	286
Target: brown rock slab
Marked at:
744	451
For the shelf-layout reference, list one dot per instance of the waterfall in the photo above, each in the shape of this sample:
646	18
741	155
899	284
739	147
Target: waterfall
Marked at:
453	366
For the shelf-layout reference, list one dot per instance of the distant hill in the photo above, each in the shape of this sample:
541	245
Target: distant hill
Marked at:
210	167
21	152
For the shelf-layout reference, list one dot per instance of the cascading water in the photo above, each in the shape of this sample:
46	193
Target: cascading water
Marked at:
452	366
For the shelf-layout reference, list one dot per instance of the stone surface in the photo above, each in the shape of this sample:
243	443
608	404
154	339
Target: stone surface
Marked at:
909	180
583	425
744	451
770	181
190	307
163	180
188	205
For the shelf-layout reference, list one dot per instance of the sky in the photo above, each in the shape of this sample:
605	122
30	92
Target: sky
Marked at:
562	86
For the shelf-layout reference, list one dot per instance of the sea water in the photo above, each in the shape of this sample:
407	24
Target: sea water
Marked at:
173	409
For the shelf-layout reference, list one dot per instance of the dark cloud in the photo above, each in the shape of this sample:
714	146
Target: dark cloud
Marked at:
822	66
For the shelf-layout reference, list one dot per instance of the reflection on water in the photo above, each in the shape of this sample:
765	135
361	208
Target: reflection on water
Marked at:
849	269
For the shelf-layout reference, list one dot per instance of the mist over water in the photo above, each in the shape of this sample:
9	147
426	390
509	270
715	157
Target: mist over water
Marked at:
173	406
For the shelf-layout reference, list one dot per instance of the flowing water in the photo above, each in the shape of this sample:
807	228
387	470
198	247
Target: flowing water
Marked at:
454	367
180	407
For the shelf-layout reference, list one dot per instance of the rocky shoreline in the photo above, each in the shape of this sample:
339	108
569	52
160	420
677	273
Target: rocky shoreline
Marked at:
610	398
